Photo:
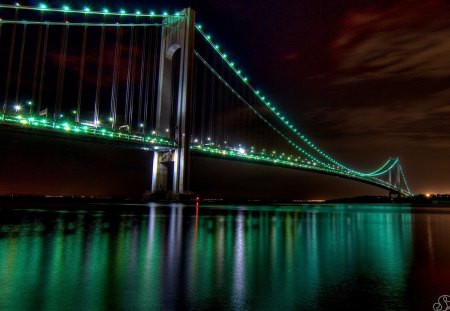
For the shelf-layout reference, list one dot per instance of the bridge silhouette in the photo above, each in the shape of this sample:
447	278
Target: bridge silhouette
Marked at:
151	80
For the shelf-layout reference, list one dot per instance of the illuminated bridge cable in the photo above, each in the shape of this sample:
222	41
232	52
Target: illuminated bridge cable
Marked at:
61	71
99	77
42	76
19	70
404	178
256	112
240	119
380	169
4	107
115	79
148	67
261	98
81	77
10	62
133	76
154	69
66	10
388	165
284	121
36	64
142	80
386	168
129	74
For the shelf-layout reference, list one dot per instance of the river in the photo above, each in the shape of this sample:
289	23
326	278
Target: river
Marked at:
234	257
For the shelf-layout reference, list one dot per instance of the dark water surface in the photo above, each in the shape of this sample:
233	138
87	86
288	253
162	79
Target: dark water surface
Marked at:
175	257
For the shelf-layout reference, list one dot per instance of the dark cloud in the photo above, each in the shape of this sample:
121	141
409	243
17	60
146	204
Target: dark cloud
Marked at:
291	56
406	40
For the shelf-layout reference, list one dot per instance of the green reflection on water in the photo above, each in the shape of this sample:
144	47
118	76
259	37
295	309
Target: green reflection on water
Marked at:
259	258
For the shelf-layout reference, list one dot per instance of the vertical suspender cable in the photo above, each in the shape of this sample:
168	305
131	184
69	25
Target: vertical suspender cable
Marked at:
44	58
221	114
36	64
204	102
0	42
141	80
19	71
212	104
148	67
99	77
133	78
129	73
194	100
61	71
80	81
114	89
10	62
155	67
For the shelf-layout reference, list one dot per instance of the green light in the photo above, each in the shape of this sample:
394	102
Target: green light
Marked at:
42	5
86	9
208	37
138	12
74	112
105	10
111	119
199	26
165	13
29	103
152	12
66	7
122	11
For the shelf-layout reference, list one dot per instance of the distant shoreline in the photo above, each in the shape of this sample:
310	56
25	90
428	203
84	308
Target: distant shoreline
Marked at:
53	201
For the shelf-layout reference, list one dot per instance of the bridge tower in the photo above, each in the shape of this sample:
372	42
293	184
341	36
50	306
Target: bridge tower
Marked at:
174	104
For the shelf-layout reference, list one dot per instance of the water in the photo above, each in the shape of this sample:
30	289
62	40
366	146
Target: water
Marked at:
174	257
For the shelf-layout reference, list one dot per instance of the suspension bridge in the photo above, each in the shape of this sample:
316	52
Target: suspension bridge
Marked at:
151	80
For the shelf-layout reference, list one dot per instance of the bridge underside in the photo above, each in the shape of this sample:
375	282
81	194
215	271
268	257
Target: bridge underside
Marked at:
276	162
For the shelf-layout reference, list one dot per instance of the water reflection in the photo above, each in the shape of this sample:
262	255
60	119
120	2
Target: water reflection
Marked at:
177	257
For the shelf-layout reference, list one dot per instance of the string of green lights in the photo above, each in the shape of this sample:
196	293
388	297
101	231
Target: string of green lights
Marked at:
227	85
67	9
276	161
86	130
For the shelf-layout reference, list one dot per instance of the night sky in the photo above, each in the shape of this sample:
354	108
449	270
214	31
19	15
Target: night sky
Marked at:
365	80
